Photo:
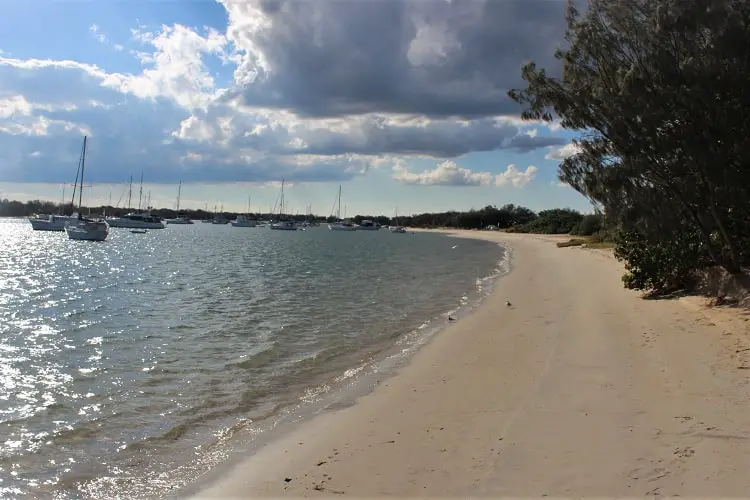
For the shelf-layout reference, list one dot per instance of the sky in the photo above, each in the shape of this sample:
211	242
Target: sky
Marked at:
402	103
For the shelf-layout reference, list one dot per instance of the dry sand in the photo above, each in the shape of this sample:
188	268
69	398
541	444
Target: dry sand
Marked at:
580	388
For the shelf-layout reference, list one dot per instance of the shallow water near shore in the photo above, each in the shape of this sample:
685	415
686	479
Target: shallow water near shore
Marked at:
129	367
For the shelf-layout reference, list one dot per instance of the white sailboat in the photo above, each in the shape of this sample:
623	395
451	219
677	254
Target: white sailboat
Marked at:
396	228
341	225
281	224
83	228
180	219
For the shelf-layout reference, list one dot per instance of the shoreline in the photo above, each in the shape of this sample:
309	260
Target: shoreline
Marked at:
578	388
345	389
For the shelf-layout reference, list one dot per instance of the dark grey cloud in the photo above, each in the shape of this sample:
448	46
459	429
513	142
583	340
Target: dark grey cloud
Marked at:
437	58
524	143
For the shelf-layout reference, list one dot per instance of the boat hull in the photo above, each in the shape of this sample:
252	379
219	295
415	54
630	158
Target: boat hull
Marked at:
53	223
284	226
179	221
135	224
337	227
87	230
235	223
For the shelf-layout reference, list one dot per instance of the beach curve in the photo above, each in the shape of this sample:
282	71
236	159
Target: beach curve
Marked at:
578	388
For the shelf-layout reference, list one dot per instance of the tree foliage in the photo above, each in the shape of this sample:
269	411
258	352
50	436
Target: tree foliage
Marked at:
656	89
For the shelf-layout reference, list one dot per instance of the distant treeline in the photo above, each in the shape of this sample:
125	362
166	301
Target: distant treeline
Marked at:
509	217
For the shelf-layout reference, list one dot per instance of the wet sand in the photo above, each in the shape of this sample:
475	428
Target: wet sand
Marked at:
578	388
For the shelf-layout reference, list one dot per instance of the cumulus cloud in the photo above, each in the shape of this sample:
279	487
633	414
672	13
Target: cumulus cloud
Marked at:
559	154
319	91
447	173
516	178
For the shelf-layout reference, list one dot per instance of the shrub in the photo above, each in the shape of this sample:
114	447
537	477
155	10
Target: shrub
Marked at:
661	264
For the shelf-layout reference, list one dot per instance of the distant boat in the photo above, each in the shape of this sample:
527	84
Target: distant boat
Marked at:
139	231
368	225
244	220
138	220
83	228
49	222
396	228
281	224
180	219
341	225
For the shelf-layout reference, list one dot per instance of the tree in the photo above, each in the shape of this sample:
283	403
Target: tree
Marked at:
657	90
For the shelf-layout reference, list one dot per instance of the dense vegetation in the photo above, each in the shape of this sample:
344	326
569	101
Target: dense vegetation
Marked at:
657	91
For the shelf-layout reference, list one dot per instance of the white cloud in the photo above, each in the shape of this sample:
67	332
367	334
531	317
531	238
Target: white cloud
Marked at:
559	154
516	178
94	28
447	173
175	68
175	120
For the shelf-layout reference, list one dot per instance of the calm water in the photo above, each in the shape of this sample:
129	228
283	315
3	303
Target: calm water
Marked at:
125	363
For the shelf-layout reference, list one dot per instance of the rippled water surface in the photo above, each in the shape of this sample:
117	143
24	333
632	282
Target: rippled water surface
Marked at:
123	361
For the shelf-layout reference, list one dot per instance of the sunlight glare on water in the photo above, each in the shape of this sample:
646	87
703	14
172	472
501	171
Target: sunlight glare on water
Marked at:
136	353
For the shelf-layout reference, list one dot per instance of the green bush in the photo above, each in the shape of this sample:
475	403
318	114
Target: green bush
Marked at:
661	264
589	225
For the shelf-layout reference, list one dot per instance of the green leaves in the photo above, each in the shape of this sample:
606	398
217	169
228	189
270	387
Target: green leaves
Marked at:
657	91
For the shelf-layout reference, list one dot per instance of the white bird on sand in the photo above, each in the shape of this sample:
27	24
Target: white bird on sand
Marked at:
507	303
454	247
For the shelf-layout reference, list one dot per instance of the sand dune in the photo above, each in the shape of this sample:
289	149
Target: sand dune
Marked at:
580	388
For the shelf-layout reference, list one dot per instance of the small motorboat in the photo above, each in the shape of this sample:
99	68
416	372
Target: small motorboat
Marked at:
139	231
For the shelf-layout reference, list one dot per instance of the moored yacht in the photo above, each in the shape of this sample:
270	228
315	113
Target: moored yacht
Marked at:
180	219
344	225
137	220
341	225
281	224
49	222
84	228
243	221
368	225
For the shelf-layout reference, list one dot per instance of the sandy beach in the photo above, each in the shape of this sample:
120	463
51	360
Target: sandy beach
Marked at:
578	388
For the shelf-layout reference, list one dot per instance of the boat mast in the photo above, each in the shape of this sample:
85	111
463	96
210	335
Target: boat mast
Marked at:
338	210
281	205
179	192
140	194
130	193
83	167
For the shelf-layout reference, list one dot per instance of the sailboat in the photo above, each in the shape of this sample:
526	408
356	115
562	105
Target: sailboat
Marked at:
341	225
397	228
83	228
180	219
281	224
139	219
244	220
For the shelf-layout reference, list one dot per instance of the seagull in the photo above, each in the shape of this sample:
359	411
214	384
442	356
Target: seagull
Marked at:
454	247
507	303
451	318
